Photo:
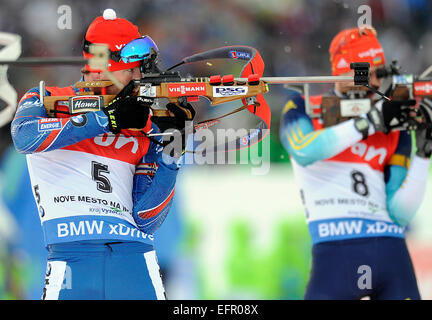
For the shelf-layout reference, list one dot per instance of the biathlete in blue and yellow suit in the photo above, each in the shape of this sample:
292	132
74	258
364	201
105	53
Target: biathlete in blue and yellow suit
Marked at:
359	187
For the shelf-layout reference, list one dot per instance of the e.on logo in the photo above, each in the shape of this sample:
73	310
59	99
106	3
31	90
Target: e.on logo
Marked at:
119	46
119	141
368	153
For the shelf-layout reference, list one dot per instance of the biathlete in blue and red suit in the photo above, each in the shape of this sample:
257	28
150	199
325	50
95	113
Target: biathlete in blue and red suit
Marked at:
102	190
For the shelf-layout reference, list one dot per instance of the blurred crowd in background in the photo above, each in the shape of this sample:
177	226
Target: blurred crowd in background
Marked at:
293	37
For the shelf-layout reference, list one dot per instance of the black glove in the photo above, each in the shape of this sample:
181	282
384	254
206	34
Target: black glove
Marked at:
182	113
127	112
393	114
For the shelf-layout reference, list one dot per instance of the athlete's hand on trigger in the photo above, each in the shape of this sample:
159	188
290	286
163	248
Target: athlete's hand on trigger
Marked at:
393	114
180	114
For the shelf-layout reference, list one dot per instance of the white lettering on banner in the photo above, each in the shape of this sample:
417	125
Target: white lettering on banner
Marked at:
77	231
337	229
381	227
122	140
372	153
85	227
62	230
424	88
105	140
328	229
185	89
71	229
361	149
340	228
113	229
50	126
124	230
94	227
89	103
372	52
133	231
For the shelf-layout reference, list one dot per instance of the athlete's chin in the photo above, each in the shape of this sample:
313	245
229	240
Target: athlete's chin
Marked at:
112	90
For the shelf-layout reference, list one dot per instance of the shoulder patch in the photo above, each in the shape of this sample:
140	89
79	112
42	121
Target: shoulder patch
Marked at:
29	95
288	106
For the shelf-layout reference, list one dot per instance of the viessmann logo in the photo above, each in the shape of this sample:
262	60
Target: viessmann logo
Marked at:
187	89
370	53
422	88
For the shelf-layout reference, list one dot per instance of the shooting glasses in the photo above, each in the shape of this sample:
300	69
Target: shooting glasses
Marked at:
138	49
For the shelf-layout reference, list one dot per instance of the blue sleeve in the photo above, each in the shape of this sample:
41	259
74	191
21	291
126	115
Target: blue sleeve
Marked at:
307	145
397	169
395	174
153	188
32	131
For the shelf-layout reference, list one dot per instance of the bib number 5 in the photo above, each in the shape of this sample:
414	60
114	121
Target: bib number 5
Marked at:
102	182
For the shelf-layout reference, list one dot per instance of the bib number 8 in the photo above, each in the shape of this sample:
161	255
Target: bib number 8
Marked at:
359	183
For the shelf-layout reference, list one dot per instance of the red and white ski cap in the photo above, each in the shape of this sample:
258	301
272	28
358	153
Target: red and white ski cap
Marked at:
355	45
116	32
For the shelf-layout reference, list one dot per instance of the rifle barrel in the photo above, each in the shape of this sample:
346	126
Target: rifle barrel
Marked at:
30	61
310	79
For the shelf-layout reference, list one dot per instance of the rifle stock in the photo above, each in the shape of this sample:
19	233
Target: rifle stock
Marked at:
173	91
